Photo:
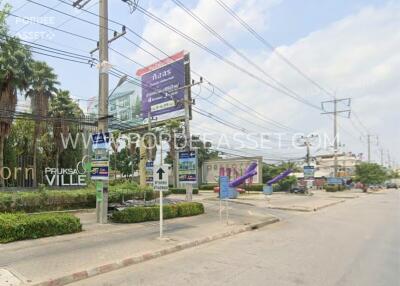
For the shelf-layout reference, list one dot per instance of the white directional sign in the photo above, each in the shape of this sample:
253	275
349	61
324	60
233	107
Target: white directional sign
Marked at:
160	178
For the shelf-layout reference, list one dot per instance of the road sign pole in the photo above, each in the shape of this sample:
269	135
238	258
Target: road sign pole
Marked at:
161	215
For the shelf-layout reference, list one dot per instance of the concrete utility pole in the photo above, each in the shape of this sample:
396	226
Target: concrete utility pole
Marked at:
335	113
369	147
382	163
189	187
102	206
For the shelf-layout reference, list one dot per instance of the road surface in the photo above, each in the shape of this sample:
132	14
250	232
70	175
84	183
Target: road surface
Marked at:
353	243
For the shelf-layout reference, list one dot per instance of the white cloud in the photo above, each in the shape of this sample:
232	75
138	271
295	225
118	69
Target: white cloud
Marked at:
356	56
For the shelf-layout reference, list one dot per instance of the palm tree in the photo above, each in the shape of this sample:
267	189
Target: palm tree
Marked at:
15	72
61	107
42	88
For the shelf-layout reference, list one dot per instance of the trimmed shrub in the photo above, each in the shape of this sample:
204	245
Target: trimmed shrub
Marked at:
208	186
22	226
254	188
334	188
190	209
152	213
181	191
55	200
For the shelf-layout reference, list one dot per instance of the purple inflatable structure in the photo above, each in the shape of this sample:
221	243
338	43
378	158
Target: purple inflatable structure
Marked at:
250	172
281	176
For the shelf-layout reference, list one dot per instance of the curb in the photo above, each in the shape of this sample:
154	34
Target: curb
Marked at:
292	209
306	209
80	275
328	205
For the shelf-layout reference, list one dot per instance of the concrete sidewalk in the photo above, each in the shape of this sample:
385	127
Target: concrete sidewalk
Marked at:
102	248
291	202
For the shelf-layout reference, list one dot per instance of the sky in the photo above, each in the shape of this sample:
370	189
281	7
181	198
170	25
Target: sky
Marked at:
350	48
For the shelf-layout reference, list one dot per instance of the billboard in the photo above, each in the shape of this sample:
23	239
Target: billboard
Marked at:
162	87
187	167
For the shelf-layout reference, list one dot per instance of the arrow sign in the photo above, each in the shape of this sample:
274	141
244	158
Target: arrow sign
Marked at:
160	173
160	182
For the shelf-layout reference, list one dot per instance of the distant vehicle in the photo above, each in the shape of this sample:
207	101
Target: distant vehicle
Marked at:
391	186
298	190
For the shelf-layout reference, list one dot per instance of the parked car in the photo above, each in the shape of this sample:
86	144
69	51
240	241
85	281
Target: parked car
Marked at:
391	186
298	190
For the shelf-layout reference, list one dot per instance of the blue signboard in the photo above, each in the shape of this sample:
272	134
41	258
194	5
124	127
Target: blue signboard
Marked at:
308	172
149	172
334	181
162	92
187	167
224	192
101	140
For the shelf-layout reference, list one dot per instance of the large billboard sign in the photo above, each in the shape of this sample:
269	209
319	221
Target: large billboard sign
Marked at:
163	87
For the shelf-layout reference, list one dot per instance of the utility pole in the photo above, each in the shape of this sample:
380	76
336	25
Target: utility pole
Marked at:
186	104
335	113
102	47
369	147
382	163
102	206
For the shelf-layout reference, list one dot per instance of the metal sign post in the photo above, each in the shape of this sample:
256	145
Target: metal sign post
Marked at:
160	184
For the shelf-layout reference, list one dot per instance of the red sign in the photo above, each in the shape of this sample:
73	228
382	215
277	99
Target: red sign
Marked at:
161	63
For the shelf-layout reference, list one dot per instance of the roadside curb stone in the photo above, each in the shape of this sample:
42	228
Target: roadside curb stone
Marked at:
84	274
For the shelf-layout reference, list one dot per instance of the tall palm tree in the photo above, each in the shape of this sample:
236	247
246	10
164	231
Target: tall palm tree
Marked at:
61	107
15	72
42	88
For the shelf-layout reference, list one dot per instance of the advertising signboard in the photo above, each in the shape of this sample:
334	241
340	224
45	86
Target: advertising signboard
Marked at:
334	181
187	167
149	172
100	157
162	92
308	172
224	192
99	170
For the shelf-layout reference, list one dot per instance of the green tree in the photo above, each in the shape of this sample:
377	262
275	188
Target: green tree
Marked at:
63	109
15	72
123	162
271	171
42	87
171	129
370	174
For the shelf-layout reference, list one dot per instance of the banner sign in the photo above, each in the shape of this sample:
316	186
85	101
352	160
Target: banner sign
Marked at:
101	141
308	172
149	172
187	167
162	88
224	192
334	181
99	170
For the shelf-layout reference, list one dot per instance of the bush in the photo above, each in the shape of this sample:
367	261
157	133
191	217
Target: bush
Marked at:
53	200
181	191
333	188
208	186
254	188
22	226
152	213
190	209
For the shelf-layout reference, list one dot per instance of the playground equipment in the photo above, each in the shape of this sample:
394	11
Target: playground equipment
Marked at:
267	190
233	190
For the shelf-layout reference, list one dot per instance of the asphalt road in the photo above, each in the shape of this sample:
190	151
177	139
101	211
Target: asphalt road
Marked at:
354	243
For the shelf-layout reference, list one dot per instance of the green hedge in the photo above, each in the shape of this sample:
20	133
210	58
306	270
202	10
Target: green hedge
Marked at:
22	226
334	188
208	186
152	213
52	200
181	191
254	188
